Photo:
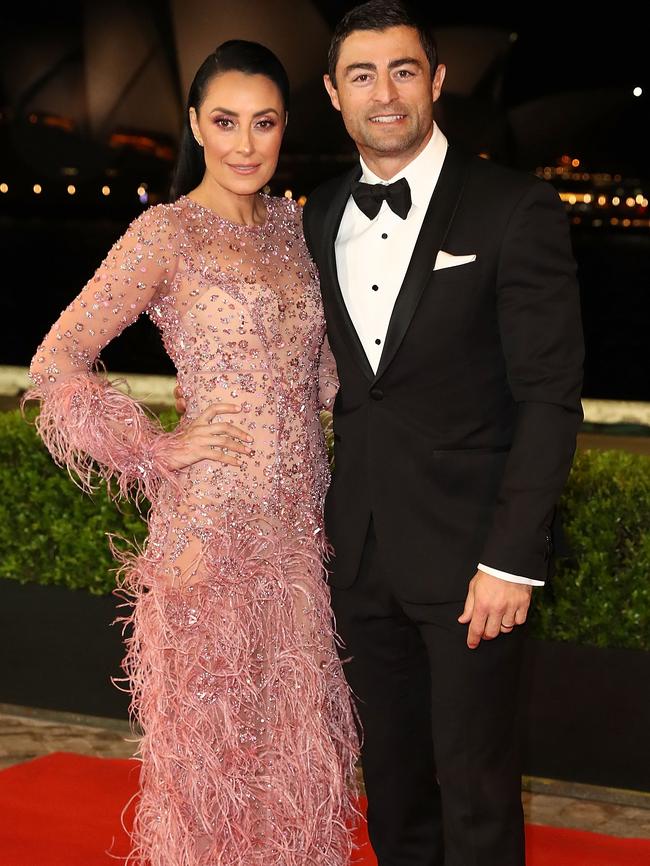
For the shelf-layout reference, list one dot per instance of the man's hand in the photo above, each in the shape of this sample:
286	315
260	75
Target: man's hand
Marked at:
493	606
181	405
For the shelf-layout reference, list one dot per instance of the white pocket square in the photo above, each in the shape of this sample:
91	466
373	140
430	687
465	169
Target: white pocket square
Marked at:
446	260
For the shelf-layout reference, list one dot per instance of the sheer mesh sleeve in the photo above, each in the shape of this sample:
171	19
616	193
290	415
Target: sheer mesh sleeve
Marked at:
328	380
86	423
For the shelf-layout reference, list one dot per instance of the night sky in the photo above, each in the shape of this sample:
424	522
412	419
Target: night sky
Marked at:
561	46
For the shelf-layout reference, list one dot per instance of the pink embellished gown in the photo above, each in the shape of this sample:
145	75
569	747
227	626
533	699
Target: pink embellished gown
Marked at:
249	740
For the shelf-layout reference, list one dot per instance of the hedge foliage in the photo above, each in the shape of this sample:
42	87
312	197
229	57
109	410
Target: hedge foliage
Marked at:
601	595
52	533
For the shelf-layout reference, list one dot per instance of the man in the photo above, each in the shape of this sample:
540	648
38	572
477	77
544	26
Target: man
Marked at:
452	311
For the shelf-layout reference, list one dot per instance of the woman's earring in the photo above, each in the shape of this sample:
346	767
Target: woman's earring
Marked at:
199	142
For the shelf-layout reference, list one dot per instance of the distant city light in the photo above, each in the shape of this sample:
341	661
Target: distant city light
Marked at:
574	197
639	199
514	37
4	187
602	200
142	190
627	223
638	91
575	163
106	190
616	201
629	201
302	201
38	189
71	189
288	193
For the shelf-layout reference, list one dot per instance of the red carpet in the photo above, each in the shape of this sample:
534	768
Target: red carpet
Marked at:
64	810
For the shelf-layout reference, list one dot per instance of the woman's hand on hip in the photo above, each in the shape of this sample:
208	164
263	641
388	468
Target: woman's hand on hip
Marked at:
206	439
179	400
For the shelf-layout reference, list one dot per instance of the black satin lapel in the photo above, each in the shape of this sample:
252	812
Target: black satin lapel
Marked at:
436	223
336	312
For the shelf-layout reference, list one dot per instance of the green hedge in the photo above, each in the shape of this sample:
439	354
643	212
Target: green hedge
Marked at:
51	533
601	596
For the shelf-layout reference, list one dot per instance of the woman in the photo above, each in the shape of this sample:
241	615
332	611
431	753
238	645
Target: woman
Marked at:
249	742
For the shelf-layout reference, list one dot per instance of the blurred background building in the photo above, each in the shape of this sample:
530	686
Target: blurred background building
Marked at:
92	95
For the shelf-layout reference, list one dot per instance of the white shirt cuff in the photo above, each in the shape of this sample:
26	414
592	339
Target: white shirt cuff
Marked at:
512	578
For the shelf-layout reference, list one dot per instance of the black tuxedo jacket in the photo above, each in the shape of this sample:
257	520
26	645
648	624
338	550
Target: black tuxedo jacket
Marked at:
460	444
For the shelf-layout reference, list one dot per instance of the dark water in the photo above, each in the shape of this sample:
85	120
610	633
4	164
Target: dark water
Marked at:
46	262
614	274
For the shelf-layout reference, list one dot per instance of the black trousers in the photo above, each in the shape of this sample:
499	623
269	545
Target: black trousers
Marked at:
440	752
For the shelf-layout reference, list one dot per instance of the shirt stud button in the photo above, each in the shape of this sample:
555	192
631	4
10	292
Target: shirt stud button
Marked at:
375	288
378	342
384	235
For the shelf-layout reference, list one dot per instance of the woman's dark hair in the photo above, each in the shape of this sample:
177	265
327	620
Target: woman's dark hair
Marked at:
236	55
380	15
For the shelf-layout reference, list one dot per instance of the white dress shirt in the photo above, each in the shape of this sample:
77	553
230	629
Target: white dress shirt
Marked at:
372	257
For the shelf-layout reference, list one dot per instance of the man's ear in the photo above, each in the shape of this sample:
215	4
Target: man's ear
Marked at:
332	92
438	78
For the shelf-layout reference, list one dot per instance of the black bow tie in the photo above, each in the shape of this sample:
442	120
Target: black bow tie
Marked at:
369	196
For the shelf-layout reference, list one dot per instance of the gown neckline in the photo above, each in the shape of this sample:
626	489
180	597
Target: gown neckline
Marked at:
257	227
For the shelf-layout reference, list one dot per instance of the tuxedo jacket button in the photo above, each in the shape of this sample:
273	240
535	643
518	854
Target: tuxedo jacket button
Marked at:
548	549
376	394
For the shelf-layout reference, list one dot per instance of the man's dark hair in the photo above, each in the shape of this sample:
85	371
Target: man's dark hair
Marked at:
380	15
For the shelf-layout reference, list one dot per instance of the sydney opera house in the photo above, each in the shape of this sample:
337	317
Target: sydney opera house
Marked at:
92	98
